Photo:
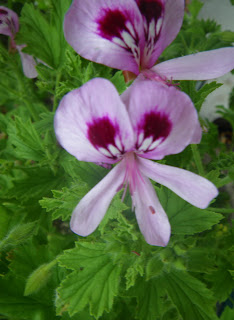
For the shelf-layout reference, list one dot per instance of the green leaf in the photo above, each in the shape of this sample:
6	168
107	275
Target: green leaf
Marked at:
223	284
192	299
95	284
63	202
195	7
148	294
228	313
154	267
185	218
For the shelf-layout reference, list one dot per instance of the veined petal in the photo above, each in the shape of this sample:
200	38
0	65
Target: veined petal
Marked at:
171	21
164	114
199	66
92	123
28	63
106	31
9	22
92	208
152	219
195	189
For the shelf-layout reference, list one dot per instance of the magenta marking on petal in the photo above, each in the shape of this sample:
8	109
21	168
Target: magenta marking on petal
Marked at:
112	24
102	133
150	9
152	210
154	125
3	12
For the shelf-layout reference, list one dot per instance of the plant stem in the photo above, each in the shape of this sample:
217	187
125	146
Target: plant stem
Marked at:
197	159
221	210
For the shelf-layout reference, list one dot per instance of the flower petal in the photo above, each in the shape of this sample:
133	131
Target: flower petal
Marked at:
191	187
171	24
164	119
199	66
108	32
9	22
152	219
92	123
28	63
92	208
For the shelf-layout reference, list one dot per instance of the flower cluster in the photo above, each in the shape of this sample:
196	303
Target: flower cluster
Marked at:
150	120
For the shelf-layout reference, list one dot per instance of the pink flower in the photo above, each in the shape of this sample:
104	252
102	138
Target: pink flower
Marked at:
95	125
9	26
131	34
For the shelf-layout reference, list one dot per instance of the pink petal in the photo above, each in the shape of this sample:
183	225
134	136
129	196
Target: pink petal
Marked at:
151	217
92	123
171	24
195	189
199	66
92	208
9	22
28	63
107	32
164	119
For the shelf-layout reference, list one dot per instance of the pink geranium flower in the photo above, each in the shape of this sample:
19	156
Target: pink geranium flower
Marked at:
95	125
9	26
131	34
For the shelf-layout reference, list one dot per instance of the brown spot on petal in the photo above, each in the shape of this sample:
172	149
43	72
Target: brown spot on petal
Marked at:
152	210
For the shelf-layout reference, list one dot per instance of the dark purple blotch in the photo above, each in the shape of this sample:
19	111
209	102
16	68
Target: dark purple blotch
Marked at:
102	132
156	125
150	9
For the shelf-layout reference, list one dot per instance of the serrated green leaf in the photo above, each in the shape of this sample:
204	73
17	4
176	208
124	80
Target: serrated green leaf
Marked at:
190	296
195	7
223	284
119	82
228	313
185	218
64	201
154	267
148	294
95	284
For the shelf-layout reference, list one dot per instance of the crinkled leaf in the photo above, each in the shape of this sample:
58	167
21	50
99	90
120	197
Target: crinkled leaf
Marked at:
192	299
185	218
95	284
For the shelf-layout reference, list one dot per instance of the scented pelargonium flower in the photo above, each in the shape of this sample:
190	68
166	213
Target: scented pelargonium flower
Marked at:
131	34
9	26
93	124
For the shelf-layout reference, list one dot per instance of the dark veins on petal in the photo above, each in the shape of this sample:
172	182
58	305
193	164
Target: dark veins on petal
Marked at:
102	133
151	9
112	24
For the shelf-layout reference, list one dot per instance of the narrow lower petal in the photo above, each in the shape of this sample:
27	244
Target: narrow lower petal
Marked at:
164	119
171	21
152	219
199	66
28	63
92	208
195	189
108	32
92	123
9	22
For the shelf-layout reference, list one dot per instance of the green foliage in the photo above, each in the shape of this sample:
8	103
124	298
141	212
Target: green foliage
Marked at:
46	271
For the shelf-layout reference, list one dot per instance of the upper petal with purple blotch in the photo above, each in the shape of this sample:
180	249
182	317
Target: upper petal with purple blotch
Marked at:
152	219
162	22
9	22
199	66
106	31
191	187
92	208
92	123
164	119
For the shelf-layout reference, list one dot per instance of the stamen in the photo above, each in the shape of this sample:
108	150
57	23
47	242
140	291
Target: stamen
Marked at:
152	210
